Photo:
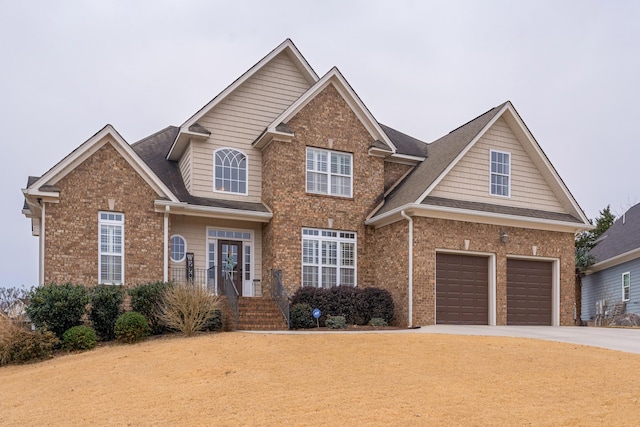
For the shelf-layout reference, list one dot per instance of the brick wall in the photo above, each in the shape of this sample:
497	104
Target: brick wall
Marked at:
432	234
393	172
326	122
71	240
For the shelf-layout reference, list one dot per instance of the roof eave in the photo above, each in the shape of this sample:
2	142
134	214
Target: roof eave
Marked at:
457	214
616	260
211	212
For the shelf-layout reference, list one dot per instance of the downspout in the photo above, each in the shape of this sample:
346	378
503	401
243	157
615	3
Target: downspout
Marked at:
165	267
408	218
42	233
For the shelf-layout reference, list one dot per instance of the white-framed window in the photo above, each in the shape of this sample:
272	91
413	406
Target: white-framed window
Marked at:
328	258
111	248
626	286
230	171
500	173
329	172
178	248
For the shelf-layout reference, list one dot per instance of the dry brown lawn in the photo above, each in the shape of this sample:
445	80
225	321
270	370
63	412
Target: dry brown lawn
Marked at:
327	379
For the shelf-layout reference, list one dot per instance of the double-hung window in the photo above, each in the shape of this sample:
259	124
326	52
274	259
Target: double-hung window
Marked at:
500	173
230	171
111	248
328	258
626	286
329	172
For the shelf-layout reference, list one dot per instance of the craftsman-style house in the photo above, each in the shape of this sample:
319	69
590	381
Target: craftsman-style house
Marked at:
286	171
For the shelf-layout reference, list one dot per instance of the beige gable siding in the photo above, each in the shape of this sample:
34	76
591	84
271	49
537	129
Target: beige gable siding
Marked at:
194	231
185	167
240	118
469	179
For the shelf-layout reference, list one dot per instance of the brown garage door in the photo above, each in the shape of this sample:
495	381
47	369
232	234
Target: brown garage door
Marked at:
528	292
462	289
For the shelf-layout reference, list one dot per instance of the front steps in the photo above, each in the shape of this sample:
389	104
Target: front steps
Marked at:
259	314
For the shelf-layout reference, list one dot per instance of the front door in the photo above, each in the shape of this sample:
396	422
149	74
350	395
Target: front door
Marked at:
230	261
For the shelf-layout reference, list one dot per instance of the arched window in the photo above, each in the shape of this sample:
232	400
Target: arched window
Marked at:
230	171
178	248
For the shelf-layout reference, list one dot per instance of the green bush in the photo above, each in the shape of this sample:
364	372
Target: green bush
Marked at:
301	316
79	338
57	307
378	322
131	327
357	305
336	322
106	306
145	299
215	322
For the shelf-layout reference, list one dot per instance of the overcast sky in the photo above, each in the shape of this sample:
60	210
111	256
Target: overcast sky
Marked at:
571	69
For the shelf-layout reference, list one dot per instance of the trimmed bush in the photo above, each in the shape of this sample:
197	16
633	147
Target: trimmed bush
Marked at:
79	338
145	299
301	316
188	308
336	322
378	322
357	305
57	307
215	322
106	306
131	327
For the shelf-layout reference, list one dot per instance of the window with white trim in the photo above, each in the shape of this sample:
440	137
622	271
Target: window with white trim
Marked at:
329	172
500	173
328	258
230	171
626	286
111	248
178	248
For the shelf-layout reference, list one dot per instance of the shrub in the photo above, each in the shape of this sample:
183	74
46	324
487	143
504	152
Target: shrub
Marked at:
11	300
357	305
336	322
79	338
57	307
18	344
379	303
215	322
378	322
188	308
301	316
145	299
106	306
131	327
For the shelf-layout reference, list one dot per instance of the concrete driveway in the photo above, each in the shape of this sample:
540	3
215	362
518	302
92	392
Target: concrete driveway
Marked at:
627	340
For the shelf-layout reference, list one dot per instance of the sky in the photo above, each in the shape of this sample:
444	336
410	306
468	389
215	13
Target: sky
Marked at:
571	69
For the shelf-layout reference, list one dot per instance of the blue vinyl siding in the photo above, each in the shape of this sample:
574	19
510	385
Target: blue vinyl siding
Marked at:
607	284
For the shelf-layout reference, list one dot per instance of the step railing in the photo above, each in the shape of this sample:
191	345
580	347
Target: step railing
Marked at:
280	295
197	276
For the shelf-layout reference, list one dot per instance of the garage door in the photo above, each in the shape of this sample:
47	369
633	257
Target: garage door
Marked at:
462	289
529	292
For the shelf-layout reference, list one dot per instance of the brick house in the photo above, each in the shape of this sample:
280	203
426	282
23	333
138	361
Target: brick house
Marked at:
285	170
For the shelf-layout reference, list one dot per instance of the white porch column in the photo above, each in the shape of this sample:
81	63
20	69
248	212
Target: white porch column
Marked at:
165	268
41	243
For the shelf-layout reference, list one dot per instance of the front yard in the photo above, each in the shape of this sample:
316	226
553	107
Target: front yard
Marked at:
326	379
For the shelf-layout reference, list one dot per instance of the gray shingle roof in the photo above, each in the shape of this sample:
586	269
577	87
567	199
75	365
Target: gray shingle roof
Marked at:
440	155
623	236
153	150
404	143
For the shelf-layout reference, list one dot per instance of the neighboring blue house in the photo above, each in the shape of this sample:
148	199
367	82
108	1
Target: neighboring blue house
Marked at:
615	276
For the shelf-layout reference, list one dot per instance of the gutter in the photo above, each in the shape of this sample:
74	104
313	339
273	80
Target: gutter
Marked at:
408	218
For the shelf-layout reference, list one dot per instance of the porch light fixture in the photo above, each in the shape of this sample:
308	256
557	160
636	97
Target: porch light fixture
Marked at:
504	237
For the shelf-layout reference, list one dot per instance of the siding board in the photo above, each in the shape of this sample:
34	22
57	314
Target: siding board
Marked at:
607	284
469	179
